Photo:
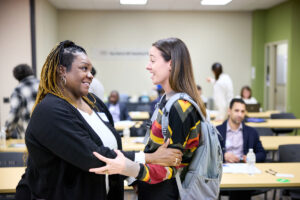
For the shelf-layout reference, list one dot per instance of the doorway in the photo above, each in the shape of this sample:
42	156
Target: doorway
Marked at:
276	76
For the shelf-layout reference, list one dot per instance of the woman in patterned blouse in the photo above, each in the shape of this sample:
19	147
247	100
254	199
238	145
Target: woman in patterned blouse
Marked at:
170	66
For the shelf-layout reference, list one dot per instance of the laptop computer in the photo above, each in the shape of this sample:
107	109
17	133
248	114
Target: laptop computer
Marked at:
253	107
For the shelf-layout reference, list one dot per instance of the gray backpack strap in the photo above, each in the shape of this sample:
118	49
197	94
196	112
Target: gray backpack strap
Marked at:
167	108
153	118
179	184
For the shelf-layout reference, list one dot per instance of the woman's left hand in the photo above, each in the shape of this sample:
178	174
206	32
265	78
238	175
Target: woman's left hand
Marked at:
113	166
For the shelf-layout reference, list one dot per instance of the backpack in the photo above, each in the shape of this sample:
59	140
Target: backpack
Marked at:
202	180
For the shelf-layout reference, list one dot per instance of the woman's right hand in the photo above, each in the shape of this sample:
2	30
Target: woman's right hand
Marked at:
165	156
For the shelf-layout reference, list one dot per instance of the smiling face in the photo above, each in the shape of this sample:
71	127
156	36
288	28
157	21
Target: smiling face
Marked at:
79	77
159	68
246	93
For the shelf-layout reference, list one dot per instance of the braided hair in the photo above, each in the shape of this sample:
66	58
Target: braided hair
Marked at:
61	55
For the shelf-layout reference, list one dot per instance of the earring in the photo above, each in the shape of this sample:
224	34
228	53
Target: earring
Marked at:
64	80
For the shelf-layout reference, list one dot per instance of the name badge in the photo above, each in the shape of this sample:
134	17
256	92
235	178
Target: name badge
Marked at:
103	116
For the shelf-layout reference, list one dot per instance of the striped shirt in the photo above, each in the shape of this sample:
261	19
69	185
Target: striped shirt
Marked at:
184	130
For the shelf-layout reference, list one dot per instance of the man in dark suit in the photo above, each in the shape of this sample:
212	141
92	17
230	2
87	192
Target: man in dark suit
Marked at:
117	109
237	139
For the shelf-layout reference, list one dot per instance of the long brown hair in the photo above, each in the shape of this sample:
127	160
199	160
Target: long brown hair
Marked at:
62	54
182	77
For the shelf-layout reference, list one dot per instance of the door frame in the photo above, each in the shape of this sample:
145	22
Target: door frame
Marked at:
269	97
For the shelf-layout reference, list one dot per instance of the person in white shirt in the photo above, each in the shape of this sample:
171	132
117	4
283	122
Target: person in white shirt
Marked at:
222	91
96	86
246	95
204	98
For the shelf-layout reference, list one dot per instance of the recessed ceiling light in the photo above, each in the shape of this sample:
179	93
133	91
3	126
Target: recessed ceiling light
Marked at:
215	2
133	2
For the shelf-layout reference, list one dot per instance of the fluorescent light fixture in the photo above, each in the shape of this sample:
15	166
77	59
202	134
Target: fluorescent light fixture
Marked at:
133	2
215	2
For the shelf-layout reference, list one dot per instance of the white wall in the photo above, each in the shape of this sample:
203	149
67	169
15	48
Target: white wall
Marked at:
210	37
15	43
46	31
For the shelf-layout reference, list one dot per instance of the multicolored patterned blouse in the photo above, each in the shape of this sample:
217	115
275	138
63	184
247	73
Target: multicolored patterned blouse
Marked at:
184	129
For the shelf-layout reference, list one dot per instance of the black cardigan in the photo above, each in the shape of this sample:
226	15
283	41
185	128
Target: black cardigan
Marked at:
60	144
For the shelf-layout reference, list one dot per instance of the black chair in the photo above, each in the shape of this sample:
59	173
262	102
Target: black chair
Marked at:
283	116
289	153
139	107
13	159
264	131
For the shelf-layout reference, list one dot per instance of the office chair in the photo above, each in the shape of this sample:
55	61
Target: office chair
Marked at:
289	153
13	159
283	116
264	131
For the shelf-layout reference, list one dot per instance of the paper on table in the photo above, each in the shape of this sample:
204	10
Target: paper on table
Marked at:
18	145
238	168
139	140
285	175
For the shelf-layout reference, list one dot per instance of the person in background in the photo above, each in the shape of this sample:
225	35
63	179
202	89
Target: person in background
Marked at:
236	140
68	124
117	109
160	92
204	99
21	101
170	66
246	95
96	86
222	91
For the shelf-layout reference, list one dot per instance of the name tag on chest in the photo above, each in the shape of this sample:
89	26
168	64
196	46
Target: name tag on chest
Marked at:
103	116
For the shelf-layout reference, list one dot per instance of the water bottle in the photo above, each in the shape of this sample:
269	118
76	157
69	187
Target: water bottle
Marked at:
251	159
2	138
126	132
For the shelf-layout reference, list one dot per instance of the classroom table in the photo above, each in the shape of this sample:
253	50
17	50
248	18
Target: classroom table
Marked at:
260	181
12	175
266	114
139	115
271	123
9	178
14	145
264	180
121	125
271	143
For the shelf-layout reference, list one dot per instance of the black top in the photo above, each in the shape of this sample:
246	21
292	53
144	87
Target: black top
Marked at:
60	144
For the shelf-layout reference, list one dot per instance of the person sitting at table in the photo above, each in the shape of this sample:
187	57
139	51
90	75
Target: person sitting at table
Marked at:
236	140
117	109
67	125
246	95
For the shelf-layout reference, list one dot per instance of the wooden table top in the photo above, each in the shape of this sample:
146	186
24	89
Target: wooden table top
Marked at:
14	145
11	176
266	114
264	180
135	143
138	115
271	123
273	142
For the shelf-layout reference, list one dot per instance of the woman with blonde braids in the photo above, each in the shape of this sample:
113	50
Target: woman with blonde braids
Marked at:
66	126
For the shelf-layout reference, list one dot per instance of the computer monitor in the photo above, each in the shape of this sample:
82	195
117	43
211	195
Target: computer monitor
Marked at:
253	107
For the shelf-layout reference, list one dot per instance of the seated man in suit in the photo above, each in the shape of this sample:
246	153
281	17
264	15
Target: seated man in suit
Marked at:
237	139
117	109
